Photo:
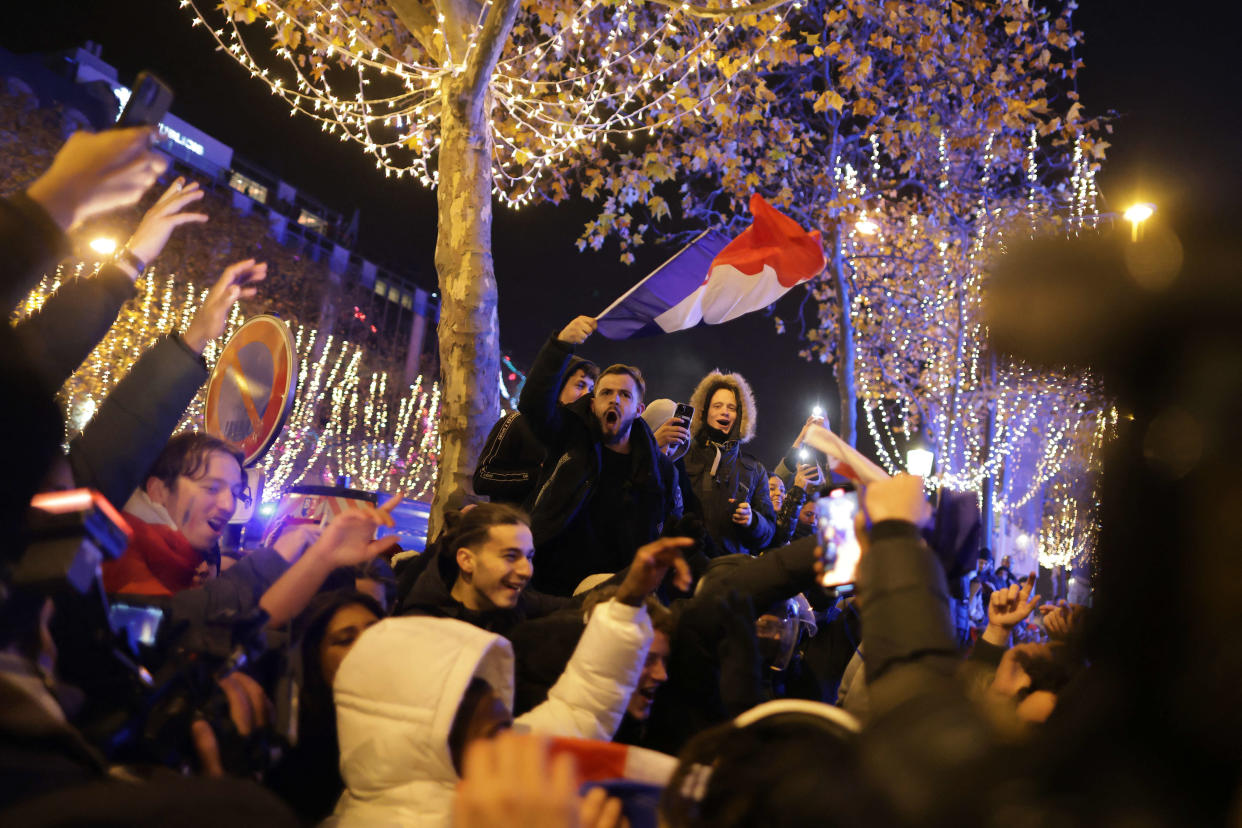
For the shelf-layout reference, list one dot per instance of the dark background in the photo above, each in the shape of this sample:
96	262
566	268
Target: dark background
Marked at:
1170	72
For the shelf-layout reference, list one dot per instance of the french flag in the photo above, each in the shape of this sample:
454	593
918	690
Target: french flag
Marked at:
714	280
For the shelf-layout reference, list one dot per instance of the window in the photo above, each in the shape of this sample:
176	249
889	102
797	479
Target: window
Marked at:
394	293
407	301
249	187
312	222
381	287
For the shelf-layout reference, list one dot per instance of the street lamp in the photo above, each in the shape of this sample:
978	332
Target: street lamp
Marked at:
919	462
104	245
866	226
1136	214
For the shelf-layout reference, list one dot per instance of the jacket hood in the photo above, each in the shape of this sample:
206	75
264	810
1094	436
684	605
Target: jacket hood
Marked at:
744	429
397	693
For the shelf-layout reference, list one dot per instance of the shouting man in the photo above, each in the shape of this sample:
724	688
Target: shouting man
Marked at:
605	489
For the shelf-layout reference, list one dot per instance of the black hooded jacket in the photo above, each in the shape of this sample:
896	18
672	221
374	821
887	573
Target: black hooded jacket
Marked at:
738	477
432	595
512	456
574	535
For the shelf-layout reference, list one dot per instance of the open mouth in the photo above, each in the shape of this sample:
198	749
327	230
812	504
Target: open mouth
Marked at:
516	587
217	524
648	693
611	417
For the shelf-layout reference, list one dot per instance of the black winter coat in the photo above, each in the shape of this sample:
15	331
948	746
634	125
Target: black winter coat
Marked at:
510	462
135	420
568	546
738	477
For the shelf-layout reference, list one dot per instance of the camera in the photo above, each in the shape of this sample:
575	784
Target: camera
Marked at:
145	674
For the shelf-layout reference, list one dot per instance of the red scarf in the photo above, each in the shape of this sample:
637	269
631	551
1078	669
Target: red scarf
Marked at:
158	561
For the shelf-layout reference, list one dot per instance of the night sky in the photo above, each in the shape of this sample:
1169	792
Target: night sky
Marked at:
1171	76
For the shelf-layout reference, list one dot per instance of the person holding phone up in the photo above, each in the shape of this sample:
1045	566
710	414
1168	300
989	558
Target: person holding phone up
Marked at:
728	487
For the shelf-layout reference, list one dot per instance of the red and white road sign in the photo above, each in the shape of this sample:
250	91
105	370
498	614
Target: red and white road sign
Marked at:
252	386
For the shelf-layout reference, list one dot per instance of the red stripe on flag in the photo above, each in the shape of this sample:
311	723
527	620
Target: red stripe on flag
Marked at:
777	240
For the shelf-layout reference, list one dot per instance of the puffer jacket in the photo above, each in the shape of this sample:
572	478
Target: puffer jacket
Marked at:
398	690
567	545
720	475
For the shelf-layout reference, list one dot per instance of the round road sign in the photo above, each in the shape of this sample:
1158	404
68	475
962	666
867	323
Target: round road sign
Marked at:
252	386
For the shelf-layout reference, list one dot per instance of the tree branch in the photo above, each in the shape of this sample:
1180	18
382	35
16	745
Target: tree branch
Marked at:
422	24
489	45
720	14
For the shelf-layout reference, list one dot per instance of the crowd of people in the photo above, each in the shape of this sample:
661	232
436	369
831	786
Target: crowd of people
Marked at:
625	623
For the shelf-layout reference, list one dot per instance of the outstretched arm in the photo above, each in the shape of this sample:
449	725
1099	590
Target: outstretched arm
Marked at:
541	395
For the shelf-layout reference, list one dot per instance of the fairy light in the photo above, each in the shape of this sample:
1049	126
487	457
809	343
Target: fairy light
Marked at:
561	86
921	362
342	413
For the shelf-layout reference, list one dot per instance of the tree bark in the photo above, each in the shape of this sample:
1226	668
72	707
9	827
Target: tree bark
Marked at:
468	330
847	427
989	483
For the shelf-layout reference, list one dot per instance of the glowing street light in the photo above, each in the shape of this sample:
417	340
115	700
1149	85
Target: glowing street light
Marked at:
104	245
1136	214
919	462
866	226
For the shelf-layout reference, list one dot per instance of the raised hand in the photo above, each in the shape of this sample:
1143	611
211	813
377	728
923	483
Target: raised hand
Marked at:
896	498
165	216
650	564
97	172
1063	621
742	515
808	475
577	331
235	283
293	542
1009	607
810	421
348	540
671	435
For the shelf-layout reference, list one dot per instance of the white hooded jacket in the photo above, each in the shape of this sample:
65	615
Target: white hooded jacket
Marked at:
399	688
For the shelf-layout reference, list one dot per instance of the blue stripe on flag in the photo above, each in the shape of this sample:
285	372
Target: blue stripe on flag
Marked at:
633	315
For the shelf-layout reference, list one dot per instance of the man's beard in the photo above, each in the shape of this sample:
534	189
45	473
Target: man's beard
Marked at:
622	427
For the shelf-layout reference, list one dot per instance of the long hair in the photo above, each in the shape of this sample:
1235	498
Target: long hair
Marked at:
316	710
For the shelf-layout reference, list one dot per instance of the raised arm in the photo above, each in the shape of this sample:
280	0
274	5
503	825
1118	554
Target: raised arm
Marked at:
73	320
540	397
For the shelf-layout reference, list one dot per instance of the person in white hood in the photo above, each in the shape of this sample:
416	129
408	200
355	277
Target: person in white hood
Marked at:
415	691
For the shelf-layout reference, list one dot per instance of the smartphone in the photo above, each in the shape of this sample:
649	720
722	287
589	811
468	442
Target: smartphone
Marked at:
685	413
148	102
834	525
140	623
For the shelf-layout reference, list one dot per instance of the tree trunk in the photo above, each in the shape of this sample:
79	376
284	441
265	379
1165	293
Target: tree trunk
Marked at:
989	484
468	330
847	350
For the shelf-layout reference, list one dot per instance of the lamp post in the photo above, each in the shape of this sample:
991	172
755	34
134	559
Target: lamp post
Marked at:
920	461
1136	214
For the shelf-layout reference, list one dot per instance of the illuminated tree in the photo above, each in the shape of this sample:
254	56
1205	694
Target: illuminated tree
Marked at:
348	418
498	97
911	134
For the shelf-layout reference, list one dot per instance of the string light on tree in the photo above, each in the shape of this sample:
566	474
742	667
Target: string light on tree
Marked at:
571	75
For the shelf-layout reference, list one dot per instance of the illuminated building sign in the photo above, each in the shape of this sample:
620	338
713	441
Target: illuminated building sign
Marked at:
172	129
